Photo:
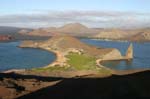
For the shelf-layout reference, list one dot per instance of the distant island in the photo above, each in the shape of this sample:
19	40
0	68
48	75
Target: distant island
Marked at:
80	30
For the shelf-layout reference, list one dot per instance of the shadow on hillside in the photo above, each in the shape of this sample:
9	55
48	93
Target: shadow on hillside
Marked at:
19	76
134	85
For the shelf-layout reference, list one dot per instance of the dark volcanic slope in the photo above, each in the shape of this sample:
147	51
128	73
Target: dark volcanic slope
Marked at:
128	86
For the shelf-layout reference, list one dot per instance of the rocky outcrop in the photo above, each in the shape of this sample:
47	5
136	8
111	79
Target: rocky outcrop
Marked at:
116	55
112	55
129	53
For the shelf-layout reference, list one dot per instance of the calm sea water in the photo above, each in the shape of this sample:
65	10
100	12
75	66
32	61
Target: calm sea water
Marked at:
141	54
13	57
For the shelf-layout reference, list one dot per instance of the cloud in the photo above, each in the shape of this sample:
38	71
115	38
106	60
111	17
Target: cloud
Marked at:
105	19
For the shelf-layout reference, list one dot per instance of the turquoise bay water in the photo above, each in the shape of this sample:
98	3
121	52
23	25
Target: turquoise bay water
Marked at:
141	54
13	57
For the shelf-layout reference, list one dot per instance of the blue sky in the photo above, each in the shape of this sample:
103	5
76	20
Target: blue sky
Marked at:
23	6
103	11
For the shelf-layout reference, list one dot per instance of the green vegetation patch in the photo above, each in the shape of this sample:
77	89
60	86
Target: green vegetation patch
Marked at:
81	62
77	62
85	62
56	68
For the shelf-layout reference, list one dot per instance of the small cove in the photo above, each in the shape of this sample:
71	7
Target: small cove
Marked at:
13	57
141	54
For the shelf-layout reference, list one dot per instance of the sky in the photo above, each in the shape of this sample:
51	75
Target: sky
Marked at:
92	13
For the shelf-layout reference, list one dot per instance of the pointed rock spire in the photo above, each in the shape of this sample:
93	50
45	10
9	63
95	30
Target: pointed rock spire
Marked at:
129	53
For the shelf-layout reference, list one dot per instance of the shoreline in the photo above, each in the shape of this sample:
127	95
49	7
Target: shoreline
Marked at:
115	40
61	60
109	40
93	38
113	71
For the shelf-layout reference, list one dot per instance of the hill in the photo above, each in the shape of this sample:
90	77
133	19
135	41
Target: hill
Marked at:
142	35
39	32
75	29
63	43
112	34
80	30
115	34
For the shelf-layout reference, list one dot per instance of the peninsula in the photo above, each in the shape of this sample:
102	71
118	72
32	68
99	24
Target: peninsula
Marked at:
74	54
